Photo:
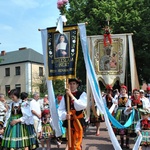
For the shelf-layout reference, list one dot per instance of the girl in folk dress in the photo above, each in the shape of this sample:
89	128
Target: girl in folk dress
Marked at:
46	129
121	117
18	134
143	127
96	117
134	103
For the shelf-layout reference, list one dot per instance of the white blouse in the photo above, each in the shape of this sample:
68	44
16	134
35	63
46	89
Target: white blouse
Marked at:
27	117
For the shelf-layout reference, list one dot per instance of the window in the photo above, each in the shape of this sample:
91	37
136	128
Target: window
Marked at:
7	89
7	71
18	70
40	71
18	87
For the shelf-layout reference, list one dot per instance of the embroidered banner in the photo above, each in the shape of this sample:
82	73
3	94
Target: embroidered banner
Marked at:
110	61
62	52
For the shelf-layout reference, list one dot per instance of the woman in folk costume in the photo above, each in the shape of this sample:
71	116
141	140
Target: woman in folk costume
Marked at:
134	103
109	98
78	102
1	132
143	128
121	117
47	130
96	117
19	130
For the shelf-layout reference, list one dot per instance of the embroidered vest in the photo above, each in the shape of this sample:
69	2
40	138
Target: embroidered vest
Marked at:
122	101
137	103
76	95
108	101
16	110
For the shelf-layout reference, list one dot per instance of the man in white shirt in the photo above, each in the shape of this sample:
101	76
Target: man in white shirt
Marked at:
36	111
145	101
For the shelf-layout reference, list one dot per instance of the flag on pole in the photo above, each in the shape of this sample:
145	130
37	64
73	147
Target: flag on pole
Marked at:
109	61
62	53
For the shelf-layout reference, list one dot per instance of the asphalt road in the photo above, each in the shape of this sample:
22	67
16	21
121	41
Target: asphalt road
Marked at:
93	142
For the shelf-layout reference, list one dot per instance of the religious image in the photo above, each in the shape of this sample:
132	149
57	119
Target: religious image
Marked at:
62	45
108	59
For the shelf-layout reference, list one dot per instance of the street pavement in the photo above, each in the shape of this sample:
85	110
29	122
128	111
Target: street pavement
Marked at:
93	142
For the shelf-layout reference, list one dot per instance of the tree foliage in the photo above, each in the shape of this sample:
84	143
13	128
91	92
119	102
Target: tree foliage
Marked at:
126	16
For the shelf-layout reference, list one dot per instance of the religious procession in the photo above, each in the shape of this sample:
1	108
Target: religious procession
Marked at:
111	101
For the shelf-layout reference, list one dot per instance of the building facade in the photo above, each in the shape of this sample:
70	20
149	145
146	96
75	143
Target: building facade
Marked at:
22	69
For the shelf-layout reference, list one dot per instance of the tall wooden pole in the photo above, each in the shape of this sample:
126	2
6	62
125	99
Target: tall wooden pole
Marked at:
68	112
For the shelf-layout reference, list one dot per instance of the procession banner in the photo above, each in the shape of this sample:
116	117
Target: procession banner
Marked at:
109	61
62	52
51	95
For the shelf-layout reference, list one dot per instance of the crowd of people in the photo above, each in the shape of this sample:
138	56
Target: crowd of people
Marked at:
24	124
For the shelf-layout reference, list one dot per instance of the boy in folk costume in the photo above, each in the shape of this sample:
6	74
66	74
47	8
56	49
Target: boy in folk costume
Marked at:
78	102
143	127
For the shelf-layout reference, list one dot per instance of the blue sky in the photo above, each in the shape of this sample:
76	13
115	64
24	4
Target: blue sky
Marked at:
20	21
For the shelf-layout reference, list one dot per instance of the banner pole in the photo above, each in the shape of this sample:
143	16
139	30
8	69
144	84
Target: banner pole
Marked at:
68	112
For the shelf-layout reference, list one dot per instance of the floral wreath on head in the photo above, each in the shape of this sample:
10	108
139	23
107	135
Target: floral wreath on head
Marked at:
109	87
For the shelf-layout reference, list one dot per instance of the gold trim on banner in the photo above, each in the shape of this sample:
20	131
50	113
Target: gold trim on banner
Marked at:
62	63
65	28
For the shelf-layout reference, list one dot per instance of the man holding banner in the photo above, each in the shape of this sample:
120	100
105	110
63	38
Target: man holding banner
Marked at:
77	102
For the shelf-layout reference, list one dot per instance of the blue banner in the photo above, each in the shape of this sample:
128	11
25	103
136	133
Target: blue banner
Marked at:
62	52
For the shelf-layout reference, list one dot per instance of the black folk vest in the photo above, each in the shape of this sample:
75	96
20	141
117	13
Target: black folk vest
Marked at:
76	95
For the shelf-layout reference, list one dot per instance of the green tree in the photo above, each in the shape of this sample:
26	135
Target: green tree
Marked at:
130	16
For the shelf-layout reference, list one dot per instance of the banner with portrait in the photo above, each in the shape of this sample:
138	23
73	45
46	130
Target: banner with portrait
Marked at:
62	52
109	61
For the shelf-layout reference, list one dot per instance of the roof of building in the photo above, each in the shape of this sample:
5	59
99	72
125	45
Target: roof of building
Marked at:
21	55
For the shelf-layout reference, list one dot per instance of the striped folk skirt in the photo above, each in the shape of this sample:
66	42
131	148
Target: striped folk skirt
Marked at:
145	138
19	135
136	118
47	131
121	118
